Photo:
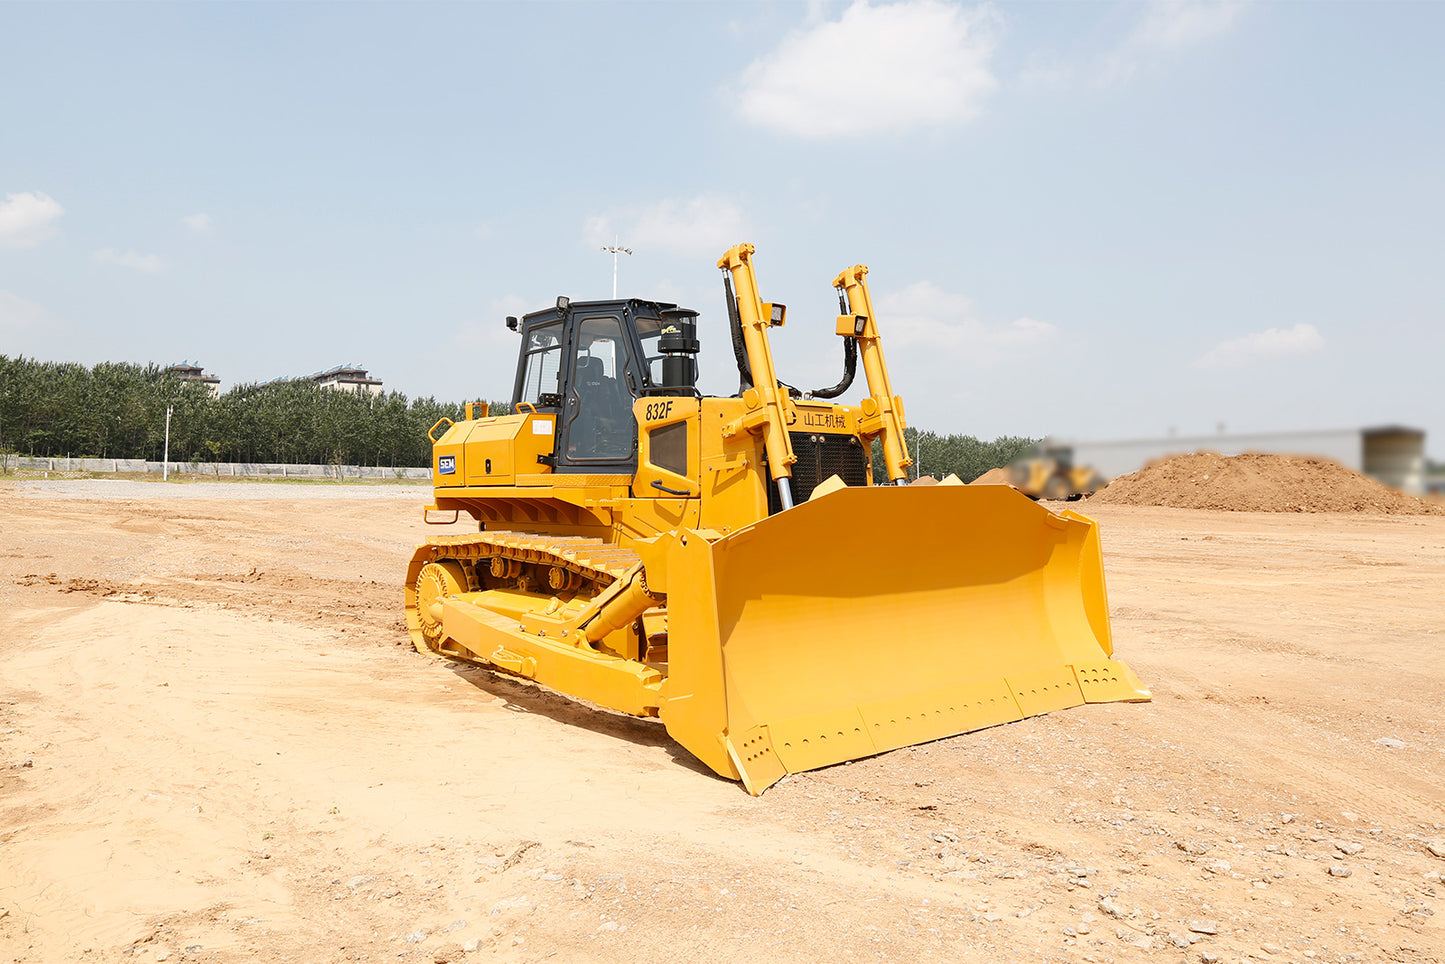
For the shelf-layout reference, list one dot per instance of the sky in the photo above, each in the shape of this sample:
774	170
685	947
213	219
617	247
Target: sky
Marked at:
1089	220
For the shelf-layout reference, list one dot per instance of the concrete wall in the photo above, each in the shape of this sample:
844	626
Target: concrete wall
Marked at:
265	470
1393	455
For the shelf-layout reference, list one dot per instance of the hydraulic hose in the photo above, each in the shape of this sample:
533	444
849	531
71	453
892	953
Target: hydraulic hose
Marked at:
740	350
735	328
850	356
850	369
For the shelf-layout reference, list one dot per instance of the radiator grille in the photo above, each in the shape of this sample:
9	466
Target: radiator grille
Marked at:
819	457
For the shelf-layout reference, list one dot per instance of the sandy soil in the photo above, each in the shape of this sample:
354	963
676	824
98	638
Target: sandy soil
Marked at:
216	745
1260	482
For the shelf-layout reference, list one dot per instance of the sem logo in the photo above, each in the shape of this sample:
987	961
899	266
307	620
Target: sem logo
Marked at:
446	465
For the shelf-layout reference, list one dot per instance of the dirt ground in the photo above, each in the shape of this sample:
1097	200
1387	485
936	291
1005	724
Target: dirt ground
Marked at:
217	745
1260	482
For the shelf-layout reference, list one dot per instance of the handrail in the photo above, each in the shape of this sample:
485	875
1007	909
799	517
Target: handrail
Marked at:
431	432
657	484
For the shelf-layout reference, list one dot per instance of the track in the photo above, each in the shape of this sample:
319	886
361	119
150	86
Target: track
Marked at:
565	568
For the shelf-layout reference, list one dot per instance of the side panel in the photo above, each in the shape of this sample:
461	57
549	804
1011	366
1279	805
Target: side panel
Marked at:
499	449
447	464
644	518
669	446
493	451
731	469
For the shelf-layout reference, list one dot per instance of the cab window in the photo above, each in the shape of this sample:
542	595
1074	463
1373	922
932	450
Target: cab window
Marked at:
648	330
543	364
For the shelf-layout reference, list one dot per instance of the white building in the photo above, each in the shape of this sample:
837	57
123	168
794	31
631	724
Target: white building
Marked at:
349	377
1392	454
187	372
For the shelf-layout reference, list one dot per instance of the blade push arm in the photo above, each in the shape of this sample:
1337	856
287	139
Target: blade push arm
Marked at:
756	317
882	410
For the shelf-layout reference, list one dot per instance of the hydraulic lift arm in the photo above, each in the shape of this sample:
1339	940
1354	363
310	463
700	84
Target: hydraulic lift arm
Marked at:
767	413
882	410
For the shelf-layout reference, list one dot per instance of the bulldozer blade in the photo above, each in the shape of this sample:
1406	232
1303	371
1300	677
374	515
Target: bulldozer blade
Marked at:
868	619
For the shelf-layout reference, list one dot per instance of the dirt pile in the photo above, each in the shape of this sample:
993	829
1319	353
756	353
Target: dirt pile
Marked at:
1256	482
997	476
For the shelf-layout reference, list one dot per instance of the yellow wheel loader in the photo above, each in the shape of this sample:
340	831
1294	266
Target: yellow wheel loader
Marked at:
730	565
1051	474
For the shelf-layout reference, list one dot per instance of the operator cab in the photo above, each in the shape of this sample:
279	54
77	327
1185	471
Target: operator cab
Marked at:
589	361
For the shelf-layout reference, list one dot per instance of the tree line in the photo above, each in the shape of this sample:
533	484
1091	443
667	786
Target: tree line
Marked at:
118	410
961	455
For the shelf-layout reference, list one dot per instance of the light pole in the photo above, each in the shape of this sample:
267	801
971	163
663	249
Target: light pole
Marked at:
615	248
166	456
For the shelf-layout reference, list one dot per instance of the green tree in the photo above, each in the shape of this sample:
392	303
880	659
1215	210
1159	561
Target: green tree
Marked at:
962	455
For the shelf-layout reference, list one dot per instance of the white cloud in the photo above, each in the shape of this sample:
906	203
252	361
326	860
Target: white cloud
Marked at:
700	225
200	223
1167	27
923	315
876	69
16	313
147	263
28	219
1175	24
1262	346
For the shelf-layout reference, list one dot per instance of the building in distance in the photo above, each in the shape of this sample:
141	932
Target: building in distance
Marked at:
350	377
188	372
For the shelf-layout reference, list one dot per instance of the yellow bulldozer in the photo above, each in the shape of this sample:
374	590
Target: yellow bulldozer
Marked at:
731	565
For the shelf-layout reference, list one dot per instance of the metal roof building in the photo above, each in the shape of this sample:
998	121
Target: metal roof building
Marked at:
188	372
351	377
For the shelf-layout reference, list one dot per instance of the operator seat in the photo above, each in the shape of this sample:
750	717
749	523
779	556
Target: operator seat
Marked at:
597	409
594	388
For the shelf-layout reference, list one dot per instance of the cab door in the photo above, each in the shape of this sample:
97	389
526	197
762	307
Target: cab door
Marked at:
598	429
